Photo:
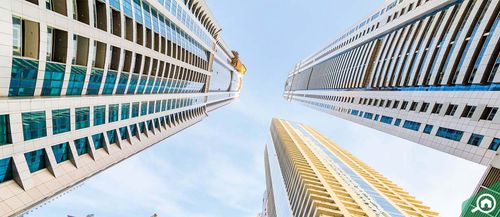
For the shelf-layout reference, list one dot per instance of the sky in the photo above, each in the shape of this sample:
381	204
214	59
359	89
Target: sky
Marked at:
216	167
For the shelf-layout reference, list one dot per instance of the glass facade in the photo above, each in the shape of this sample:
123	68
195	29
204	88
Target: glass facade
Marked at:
36	160
61	122
82	118
61	152
34	125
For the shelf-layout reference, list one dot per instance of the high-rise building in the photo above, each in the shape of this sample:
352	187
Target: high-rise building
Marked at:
426	71
85	84
309	175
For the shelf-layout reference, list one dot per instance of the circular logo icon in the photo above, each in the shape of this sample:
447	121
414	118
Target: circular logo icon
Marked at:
485	203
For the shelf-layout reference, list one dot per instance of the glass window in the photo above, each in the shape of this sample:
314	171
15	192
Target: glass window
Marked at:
34	125
99	115
451	110
36	160
437	108
123	133
82	146
5	137
368	115
53	79
6	170
151	107
98	140
61	152
125	111
144	108
428	129
82	118
142	127
135	109
112	137
475	139
76	81
495	144
113	113
133	84
109	84
23	77
411	125
451	134
133	130
122	83
94	82
386	120
61	122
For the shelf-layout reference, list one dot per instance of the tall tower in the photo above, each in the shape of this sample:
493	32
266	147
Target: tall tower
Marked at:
309	175
85	84
426	71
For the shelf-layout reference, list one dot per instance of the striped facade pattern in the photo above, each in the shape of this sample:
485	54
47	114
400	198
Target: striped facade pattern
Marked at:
86	84
317	187
425	71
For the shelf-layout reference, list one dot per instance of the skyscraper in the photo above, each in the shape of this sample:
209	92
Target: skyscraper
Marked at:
421	70
85	84
309	175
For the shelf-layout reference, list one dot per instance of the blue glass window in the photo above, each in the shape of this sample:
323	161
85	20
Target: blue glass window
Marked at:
123	133
157	85
34	125
158	106
495	144
386	120
36	160
82	118
397	122
6	170
475	139
61	152
53	79
164	105
122	84
377	116
94	82
99	115
24	75
76	80
150	125
125	111
150	85
109	84
147	15
368	115
113	113
61	122
355	112
133	84
411	125
142	83
451	134
135	109
115	4
144	108
142	127
98	140
112	137
428	129
133	130
127	8
151	107
5	137
137	11
82	146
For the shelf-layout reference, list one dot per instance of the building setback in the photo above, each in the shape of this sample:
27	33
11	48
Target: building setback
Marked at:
85	84
309	175
425	71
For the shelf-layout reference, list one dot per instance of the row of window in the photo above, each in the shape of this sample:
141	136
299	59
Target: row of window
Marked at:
37	160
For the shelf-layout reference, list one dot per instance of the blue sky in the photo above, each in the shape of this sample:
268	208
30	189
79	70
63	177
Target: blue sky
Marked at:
216	168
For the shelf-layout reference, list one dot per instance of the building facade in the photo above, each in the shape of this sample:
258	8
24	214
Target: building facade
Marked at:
309	175
85	84
421	70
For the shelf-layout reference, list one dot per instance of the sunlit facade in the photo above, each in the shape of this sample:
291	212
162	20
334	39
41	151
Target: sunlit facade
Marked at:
309	175
85	84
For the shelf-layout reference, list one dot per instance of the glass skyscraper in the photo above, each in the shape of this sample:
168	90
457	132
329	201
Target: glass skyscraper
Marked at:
309	175
85	84
421	70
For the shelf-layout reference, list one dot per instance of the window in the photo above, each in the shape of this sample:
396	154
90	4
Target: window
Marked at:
82	146
76	81
428	129
61	122
489	113
413	106
123	133
6	170
424	107
151	107
5	136
404	105
95	82
386	120
437	108
112	137
26	39
58	6
81	11
53	79
36	160
144	108
98	140
125	111
468	111
397	122
451	134
116	27
475	139
100	15
133	130
135	109
109	84
494	144
411	125
61	152
451	110
82	118
34	125
113	113
99	115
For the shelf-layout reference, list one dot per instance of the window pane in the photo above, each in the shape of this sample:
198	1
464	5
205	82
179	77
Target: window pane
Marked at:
61	152
36	160
61	122
34	125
